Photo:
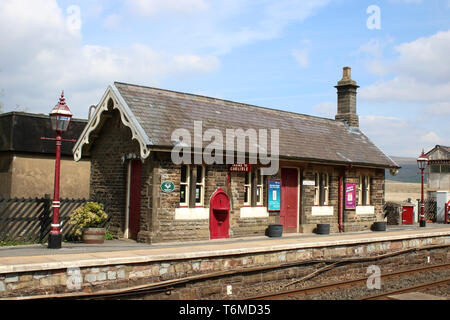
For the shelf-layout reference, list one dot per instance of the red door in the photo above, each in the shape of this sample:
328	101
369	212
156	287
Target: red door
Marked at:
134	212
407	215
219	215
289	199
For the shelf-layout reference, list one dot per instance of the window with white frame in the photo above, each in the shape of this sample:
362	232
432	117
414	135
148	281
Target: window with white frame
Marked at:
364	191
321	189
251	181
259	188
185	185
200	186
247	189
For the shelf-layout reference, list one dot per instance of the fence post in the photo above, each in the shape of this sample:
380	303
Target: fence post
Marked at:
45	216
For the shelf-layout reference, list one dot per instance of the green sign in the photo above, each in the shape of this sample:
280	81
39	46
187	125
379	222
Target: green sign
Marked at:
167	186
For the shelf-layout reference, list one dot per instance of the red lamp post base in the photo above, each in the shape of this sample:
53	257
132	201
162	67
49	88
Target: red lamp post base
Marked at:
54	240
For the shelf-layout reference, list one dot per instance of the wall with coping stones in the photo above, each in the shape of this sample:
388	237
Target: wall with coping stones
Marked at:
166	228
125	275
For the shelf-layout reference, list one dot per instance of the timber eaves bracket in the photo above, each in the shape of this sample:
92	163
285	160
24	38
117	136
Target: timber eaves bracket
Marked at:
127	117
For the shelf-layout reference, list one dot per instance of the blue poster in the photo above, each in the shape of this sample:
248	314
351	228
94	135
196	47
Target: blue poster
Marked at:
274	194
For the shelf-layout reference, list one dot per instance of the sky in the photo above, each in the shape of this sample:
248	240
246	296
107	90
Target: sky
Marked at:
281	54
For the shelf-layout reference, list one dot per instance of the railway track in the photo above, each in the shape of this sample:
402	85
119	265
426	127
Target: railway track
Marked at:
419	287
169	286
359	281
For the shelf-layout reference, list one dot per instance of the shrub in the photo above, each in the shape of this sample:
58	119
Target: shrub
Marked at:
91	215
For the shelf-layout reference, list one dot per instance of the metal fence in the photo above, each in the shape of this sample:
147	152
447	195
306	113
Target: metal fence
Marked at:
29	219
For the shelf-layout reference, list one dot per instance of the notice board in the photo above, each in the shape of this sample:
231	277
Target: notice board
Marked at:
350	196
273	194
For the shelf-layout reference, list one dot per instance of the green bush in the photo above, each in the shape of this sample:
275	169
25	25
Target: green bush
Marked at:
109	235
91	215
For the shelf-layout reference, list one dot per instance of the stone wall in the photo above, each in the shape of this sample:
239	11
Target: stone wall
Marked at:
32	175
158	224
350	220
94	278
108	178
359	222
167	228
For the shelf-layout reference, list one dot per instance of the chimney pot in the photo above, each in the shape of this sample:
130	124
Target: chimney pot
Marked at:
346	73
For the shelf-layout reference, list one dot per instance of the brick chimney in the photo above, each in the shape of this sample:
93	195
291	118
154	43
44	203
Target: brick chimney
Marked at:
346	99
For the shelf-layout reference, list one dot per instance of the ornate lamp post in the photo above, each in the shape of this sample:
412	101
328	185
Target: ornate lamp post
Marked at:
422	164
60	118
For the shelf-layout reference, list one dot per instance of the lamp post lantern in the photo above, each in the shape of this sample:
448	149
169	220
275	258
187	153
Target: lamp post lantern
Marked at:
60	118
422	164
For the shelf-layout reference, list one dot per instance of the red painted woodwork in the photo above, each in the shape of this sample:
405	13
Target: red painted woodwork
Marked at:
407	215
289	198
219	215
135	198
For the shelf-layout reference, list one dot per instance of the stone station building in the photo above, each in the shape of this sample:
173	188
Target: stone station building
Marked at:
129	142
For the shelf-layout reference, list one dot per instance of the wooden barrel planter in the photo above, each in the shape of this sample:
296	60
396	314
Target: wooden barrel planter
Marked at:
94	235
379	226
323	228
275	230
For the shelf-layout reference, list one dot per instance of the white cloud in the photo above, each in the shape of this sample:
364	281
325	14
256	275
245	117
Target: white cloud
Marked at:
112	21
426	58
157	7
405	89
372	54
415	83
43	56
399	137
431	137
407	1
301	56
219	26
422	72
325	109
44	49
395	135
439	108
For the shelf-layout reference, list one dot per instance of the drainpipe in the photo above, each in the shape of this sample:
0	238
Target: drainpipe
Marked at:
341	175
341	196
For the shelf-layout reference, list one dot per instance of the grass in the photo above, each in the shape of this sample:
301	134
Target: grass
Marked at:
5	243
401	191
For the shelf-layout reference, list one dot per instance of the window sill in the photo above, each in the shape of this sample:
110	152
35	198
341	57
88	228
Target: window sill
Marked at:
322	210
254	212
365	210
186	213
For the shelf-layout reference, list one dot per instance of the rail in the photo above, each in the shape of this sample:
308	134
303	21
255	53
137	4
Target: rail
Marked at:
168	285
341	284
419	287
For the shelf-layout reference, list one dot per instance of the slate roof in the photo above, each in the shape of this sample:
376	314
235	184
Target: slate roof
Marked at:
439	154
304	137
21	132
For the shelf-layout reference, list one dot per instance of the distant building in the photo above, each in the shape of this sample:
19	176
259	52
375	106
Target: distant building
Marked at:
438	169
27	163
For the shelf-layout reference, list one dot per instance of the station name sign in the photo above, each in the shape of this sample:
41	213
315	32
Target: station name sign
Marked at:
240	167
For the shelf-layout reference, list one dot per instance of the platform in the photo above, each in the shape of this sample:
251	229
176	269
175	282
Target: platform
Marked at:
117	252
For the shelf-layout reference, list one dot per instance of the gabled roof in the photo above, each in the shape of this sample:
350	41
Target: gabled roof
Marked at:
159	112
21	132
439	153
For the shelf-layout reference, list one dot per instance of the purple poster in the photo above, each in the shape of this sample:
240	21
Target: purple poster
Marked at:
350	199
